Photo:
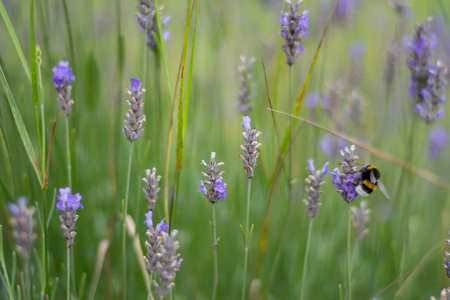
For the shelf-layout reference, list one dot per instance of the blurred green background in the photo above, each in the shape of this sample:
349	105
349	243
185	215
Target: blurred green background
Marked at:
403	231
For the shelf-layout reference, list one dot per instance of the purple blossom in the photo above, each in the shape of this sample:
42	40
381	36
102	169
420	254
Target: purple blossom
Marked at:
294	26
161	226
313	188
62	74
221	188
146	19
331	144
213	187
347	181
148	219
67	201
310	167
21	220
202	188
135	84
438	140
246	123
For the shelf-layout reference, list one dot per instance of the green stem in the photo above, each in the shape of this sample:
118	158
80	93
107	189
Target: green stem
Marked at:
290	138
68	273
45	260
41	154
149	295
305	259
214	245
246	241
124	248
348	251
69	165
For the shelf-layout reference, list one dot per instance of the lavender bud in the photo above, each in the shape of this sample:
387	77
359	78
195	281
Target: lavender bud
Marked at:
68	204
168	263
154	241
62	76
213	187
315	183
23	223
151	188
247	87
250	147
346	182
132	127
294	26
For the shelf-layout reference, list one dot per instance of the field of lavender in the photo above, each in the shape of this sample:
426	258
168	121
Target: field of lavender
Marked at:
224	149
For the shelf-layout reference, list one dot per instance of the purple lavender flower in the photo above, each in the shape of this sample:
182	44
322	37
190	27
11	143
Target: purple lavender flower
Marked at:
250	146
68	204
438	140
345	10
132	128
146	19
213	187
247	87
315	183
151	188
331	144
294	27
154	241
62	76
349	179
22	223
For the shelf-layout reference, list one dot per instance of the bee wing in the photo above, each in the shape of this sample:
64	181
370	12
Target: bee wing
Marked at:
383	189
372	178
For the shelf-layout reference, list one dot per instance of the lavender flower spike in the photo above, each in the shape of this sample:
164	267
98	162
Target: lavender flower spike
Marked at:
62	76
347	181
151	188
247	87
146	19
250	146
315	183
154	241
294	27
68	204
132	127
213	187
168	263
23	223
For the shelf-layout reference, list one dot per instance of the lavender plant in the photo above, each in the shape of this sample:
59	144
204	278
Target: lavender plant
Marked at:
22	222
294	26
153	244
68	204
168	263
216	191
151	188
247	86
132	130
62	76
427	82
146	19
249	158
315	184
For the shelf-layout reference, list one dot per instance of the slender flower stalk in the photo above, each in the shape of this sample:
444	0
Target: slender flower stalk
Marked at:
249	158
315	183
68	204
214	190
132	130
62	76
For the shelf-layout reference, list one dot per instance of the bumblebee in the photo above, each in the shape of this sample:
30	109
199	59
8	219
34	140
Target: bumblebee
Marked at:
370	179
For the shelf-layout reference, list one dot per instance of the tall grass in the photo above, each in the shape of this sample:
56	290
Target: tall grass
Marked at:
105	47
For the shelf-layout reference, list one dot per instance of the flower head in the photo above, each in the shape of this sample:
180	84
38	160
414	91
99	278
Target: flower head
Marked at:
68	204
250	146
213	187
247	87
315	183
294	26
22	223
151	188
347	181
132	127
62	76
437	141
154	241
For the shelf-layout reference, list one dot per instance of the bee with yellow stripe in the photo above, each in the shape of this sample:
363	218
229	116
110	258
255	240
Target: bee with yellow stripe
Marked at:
370	179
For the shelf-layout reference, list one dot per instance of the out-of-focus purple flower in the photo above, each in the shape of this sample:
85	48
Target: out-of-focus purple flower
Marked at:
315	183
438	140
312	100
22	222
162	226
62	76
247	86
148	219
213	187
246	123
294	26
344	10
132	127
331	144
356	50
146	19
68	204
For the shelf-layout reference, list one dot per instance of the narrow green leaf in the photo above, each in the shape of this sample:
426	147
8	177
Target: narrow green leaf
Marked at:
82	286
33	57
243	233
14	269
55	289
40	270
21	126
52	208
15	40
69	33
5	277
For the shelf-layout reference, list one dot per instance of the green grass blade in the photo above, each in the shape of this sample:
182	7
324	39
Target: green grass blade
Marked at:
14	269
33	56
15	40
189	77
69	33
21	126
52	208
4	272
